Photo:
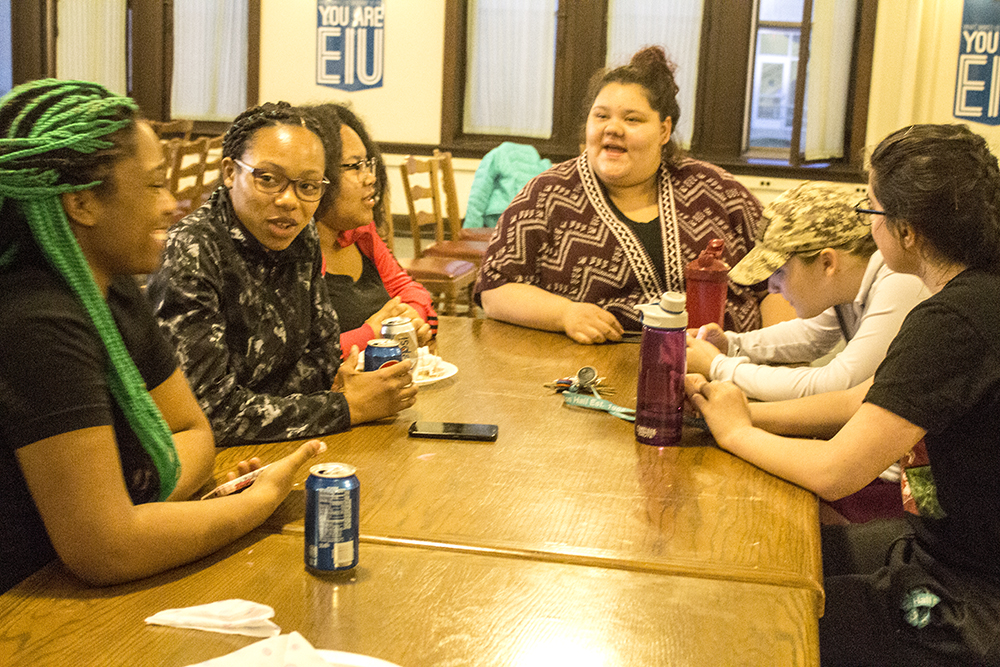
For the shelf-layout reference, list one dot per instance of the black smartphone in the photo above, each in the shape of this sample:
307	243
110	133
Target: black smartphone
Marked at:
454	431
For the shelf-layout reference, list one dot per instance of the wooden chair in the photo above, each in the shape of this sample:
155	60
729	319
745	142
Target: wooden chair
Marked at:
172	129
482	234
212	176
444	278
470	251
186	173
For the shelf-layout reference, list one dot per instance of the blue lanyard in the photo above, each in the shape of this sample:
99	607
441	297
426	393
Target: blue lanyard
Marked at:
595	403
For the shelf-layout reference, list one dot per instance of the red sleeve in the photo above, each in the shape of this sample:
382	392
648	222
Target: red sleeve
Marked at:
395	279
359	337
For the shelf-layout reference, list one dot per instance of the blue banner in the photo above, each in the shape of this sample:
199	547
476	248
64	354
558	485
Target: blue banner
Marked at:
977	84
350	37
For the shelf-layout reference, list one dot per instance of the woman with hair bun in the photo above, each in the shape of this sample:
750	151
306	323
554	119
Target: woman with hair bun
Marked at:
241	294
588	239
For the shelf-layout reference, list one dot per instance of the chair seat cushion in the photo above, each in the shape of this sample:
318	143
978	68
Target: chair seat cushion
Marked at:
472	251
438	268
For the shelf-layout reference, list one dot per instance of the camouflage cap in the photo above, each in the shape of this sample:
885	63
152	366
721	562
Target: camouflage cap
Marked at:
809	217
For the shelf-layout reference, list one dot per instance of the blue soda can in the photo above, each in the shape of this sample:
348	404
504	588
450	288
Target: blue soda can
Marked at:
382	352
332	498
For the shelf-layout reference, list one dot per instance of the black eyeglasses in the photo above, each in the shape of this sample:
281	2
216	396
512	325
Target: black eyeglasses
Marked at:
271	183
863	207
362	167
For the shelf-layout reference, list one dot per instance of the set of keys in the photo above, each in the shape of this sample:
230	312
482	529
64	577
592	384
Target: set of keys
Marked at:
581	391
586	380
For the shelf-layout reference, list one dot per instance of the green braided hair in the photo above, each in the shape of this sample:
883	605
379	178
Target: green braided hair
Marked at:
65	136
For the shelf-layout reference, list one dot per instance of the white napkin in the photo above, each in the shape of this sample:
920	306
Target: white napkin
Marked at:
428	365
231	617
291	650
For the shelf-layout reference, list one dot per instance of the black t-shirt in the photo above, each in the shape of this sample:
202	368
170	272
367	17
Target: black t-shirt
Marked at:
354	301
942	373
52	381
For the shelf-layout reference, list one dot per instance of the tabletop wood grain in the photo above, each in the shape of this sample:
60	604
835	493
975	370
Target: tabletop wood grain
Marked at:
414	607
562	483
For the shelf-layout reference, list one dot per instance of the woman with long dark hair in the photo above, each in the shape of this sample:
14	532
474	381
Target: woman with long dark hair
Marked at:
925	589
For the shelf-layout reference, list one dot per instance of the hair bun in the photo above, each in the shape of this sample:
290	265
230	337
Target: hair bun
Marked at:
652	58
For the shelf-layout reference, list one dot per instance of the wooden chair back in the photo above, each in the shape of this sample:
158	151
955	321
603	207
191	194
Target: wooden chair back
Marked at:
453	218
212	175
447	177
172	129
418	197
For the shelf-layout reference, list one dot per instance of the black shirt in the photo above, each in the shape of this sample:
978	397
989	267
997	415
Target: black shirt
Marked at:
354	301
942	373
52	381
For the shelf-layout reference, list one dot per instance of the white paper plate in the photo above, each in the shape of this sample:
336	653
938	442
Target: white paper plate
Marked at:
343	659
445	371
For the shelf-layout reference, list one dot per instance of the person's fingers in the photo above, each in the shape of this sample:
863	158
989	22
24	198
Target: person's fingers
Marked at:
693	383
307	451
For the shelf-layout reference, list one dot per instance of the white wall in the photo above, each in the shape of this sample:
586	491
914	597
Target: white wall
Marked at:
406	109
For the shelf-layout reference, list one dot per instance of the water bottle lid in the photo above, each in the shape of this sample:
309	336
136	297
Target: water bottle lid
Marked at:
709	265
669	313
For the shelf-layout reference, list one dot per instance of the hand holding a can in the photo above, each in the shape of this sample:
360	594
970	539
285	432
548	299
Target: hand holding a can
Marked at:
375	394
394	307
422	329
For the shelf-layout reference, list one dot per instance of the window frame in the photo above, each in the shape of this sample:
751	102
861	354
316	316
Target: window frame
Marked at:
151	44
720	99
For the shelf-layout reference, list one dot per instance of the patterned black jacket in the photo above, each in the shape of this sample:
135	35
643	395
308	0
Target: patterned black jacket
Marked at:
254	330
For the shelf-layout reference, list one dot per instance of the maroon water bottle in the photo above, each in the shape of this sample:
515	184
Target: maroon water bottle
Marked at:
659	410
707	284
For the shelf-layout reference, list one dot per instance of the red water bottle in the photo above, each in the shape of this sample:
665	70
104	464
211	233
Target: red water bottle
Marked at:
707	284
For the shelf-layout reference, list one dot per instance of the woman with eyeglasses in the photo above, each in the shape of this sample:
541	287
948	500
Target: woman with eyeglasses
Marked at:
241	294
924	590
365	282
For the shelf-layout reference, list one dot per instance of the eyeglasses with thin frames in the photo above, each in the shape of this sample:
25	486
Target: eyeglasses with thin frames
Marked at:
864	207
272	183
362	167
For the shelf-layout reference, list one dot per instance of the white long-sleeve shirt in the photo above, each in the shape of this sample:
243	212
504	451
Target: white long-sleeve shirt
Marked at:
870	322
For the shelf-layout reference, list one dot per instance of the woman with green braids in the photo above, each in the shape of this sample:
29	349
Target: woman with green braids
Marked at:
96	420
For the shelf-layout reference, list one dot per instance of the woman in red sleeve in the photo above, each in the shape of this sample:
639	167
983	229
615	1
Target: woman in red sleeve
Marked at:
366	284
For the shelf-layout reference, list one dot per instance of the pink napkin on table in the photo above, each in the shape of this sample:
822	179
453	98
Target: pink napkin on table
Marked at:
291	650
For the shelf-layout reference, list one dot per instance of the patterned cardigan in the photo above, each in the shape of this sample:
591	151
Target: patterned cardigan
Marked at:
254	329
561	234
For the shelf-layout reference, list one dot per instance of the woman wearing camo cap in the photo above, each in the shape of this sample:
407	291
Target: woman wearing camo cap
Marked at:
817	251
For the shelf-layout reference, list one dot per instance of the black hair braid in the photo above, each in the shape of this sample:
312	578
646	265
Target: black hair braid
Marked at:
240	133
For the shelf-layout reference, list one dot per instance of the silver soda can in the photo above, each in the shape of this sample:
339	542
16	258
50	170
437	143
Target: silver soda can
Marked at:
382	352
332	498
401	330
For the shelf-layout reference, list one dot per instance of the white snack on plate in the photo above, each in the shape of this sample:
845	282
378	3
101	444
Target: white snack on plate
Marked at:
428	365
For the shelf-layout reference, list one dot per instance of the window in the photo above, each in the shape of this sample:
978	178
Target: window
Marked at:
745	102
143	32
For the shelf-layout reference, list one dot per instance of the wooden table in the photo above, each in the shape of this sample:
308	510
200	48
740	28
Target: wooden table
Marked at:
563	483
565	540
414	606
